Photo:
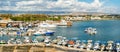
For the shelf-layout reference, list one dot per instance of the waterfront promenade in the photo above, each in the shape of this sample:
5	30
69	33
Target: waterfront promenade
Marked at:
39	47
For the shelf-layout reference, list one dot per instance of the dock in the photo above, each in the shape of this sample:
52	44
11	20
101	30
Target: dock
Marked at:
39	47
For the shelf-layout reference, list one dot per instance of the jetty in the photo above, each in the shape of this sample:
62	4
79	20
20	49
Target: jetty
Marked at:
39	47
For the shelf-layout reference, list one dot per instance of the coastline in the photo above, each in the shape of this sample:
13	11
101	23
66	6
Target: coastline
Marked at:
31	45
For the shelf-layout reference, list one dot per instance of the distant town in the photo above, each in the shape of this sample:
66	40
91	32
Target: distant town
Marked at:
69	17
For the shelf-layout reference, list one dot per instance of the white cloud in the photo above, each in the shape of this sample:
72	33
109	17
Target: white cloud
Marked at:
31	2
75	5
59	5
96	4
110	9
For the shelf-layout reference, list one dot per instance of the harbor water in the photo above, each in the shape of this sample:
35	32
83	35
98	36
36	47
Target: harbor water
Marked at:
106	30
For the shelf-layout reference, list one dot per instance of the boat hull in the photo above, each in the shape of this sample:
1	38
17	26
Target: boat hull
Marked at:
49	33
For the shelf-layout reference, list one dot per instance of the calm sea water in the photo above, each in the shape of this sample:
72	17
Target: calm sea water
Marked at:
107	30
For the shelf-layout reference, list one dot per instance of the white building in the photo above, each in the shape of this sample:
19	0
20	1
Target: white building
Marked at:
96	18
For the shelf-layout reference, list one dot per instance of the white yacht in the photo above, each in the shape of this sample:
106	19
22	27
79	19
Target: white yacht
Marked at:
47	25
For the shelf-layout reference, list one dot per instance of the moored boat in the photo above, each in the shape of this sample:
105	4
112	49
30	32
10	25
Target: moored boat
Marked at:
91	31
47	25
49	32
2	42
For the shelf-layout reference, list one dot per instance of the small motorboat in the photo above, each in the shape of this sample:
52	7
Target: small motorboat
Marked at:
96	46
118	47
38	33
18	41
2	42
49	33
109	47
91	31
77	44
71	43
11	41
47	41
27	40
89	46
35	41
82	45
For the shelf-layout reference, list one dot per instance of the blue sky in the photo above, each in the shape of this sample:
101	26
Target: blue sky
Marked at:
105	6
